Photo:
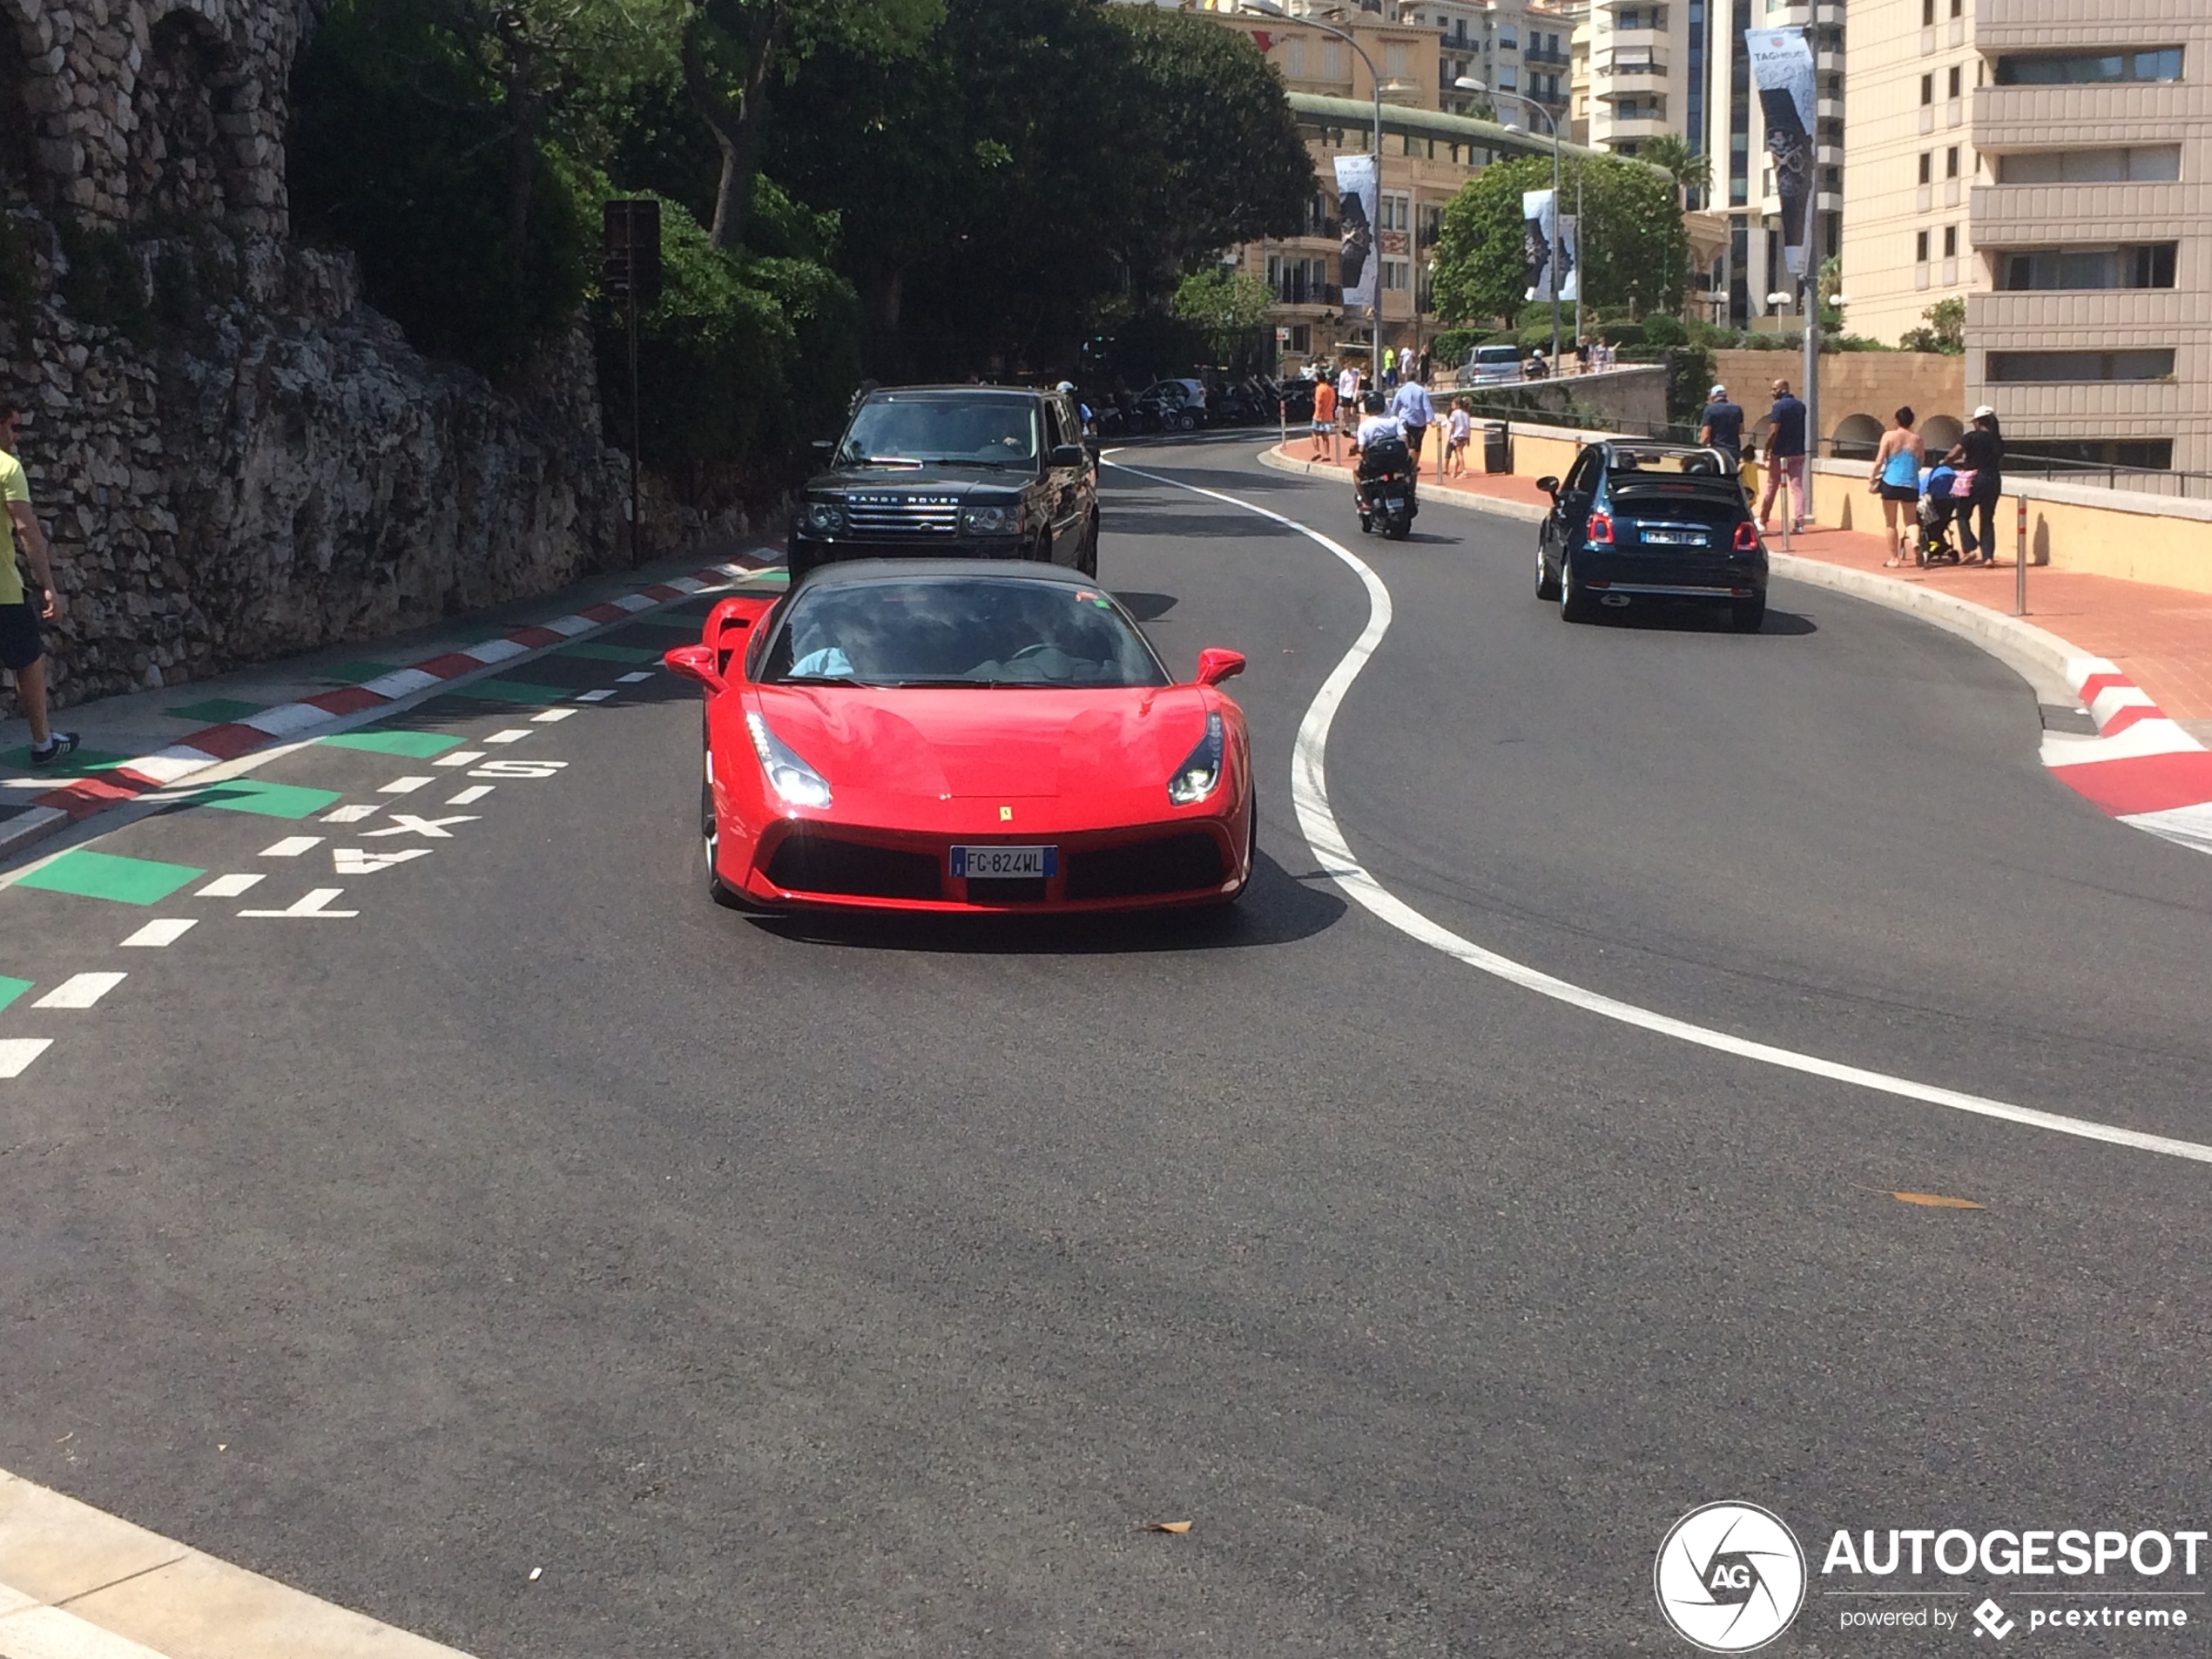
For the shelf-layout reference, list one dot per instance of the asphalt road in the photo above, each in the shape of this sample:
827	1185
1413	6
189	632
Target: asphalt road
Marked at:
866	1291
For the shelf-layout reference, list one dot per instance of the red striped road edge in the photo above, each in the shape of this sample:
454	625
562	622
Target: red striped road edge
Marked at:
95	792
2140	767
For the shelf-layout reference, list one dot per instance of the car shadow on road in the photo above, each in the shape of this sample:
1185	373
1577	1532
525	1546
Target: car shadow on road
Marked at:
1688	616
1146	607
1279	908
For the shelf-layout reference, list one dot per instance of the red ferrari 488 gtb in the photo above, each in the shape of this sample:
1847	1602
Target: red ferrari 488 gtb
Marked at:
906	734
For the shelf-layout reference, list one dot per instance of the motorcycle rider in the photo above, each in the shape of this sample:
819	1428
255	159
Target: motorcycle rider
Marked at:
1378	423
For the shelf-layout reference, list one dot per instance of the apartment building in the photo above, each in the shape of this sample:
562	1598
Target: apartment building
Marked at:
1909	242
1647	69
2089	314
1751	266
1429	151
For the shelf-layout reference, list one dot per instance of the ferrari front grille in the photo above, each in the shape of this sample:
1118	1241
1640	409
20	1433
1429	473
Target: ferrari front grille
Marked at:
1177	863
825	864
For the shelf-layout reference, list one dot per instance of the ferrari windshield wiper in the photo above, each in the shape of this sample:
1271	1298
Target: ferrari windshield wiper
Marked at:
826	679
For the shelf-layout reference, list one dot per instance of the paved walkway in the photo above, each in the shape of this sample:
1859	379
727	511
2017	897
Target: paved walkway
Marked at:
2161	638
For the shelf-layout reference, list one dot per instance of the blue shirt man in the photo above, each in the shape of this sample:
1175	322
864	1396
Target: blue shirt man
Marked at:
1724	426
1786	423
1410	405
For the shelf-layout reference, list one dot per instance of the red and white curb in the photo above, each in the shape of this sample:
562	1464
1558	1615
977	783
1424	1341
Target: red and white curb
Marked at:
82	797
2141	767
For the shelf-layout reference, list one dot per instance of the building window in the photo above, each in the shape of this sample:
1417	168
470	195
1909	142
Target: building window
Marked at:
1302	338
2149	265
1397	211
1395	66
1951	162
1294	57
1920	248
1958	8
1332	61
2074	367
1398	276
1927	166
1927	89
2152	164
1953	83
1507	39
1927	14
2069	69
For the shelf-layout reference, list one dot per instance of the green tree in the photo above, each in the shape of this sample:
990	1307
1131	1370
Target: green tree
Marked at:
1227	305
1634	251
730	49
1692	170
1943	328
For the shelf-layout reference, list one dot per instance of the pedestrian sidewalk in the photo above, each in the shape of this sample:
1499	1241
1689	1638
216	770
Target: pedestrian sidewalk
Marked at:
2159	638
133	744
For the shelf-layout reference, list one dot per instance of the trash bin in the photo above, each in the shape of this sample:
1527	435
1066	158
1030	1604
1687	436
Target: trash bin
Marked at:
1494	448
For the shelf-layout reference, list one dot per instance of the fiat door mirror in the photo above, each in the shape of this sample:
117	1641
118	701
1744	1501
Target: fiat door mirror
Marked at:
1549	486
693	663
1216	664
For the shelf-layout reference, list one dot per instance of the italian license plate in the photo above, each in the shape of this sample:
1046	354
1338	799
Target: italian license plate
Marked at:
1677	538
1003	863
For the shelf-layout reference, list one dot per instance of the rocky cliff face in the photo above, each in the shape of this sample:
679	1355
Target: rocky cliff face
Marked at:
235	457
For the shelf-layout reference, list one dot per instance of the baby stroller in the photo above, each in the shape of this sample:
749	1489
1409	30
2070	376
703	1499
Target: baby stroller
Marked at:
1940	504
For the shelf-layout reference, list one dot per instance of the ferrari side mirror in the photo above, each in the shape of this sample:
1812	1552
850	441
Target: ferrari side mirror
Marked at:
693	663
1216	664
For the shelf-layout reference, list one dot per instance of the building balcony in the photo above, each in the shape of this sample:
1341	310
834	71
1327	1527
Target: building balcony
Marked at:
1644	69
1294	292
1549	59
2029	215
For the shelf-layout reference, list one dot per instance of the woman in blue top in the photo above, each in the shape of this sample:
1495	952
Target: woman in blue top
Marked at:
1895	478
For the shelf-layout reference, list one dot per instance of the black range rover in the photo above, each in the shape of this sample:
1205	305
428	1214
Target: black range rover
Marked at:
941	471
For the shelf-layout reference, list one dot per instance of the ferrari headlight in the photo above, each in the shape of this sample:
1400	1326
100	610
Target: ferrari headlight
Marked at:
792	779
1200	772
1000	518
822	517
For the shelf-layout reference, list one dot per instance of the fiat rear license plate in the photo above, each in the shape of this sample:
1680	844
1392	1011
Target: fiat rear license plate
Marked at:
1000	863
1677	538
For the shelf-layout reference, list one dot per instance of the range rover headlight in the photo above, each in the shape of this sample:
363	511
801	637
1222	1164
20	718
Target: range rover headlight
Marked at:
824	518
994	518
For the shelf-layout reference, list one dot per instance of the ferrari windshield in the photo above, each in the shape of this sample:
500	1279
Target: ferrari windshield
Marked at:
984	630
940	428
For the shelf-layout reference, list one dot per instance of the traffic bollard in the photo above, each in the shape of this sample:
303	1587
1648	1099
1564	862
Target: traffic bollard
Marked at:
2019	560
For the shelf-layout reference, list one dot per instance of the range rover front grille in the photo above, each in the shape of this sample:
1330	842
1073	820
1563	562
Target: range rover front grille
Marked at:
900	514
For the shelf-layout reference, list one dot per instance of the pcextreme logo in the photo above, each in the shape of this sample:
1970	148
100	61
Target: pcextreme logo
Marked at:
1730	1577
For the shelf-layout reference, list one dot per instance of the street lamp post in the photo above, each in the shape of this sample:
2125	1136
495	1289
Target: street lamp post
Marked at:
1375	81
1468	84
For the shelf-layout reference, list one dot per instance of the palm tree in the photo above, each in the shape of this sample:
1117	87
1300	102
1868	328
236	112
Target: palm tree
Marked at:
1692	170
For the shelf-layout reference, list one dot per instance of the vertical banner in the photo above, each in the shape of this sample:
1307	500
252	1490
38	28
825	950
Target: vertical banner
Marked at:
1357	212
1570	257
1536	230
1781	69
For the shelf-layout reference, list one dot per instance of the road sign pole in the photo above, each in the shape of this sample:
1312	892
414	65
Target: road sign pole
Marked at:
635	509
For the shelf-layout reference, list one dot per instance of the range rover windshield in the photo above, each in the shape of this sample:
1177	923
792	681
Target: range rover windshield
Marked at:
942	430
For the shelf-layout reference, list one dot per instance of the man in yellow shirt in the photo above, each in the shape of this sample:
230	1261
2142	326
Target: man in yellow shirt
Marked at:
22	650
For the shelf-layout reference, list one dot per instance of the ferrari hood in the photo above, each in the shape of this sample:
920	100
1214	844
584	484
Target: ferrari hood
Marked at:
950	744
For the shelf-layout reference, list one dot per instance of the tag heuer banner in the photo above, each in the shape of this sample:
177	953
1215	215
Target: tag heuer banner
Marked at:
1356	213
1781	69
1540	224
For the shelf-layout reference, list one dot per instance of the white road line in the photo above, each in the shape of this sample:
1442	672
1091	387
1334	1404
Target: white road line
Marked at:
309	908
632	680
513	734
471	795
1309	796
353	814
18	1053
351	861
459	758
550	715
405	785
595	697
80	991
293	845
229	886
156	934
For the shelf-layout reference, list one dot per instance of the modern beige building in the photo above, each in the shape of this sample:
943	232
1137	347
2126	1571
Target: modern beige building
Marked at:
1908	241
1428	154
2089	324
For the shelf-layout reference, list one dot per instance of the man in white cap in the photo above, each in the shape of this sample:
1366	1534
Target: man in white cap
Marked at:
1724	426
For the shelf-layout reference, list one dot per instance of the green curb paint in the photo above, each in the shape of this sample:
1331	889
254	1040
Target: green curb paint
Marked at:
102	875
269	800
82	764
418	745
11	988
514	691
